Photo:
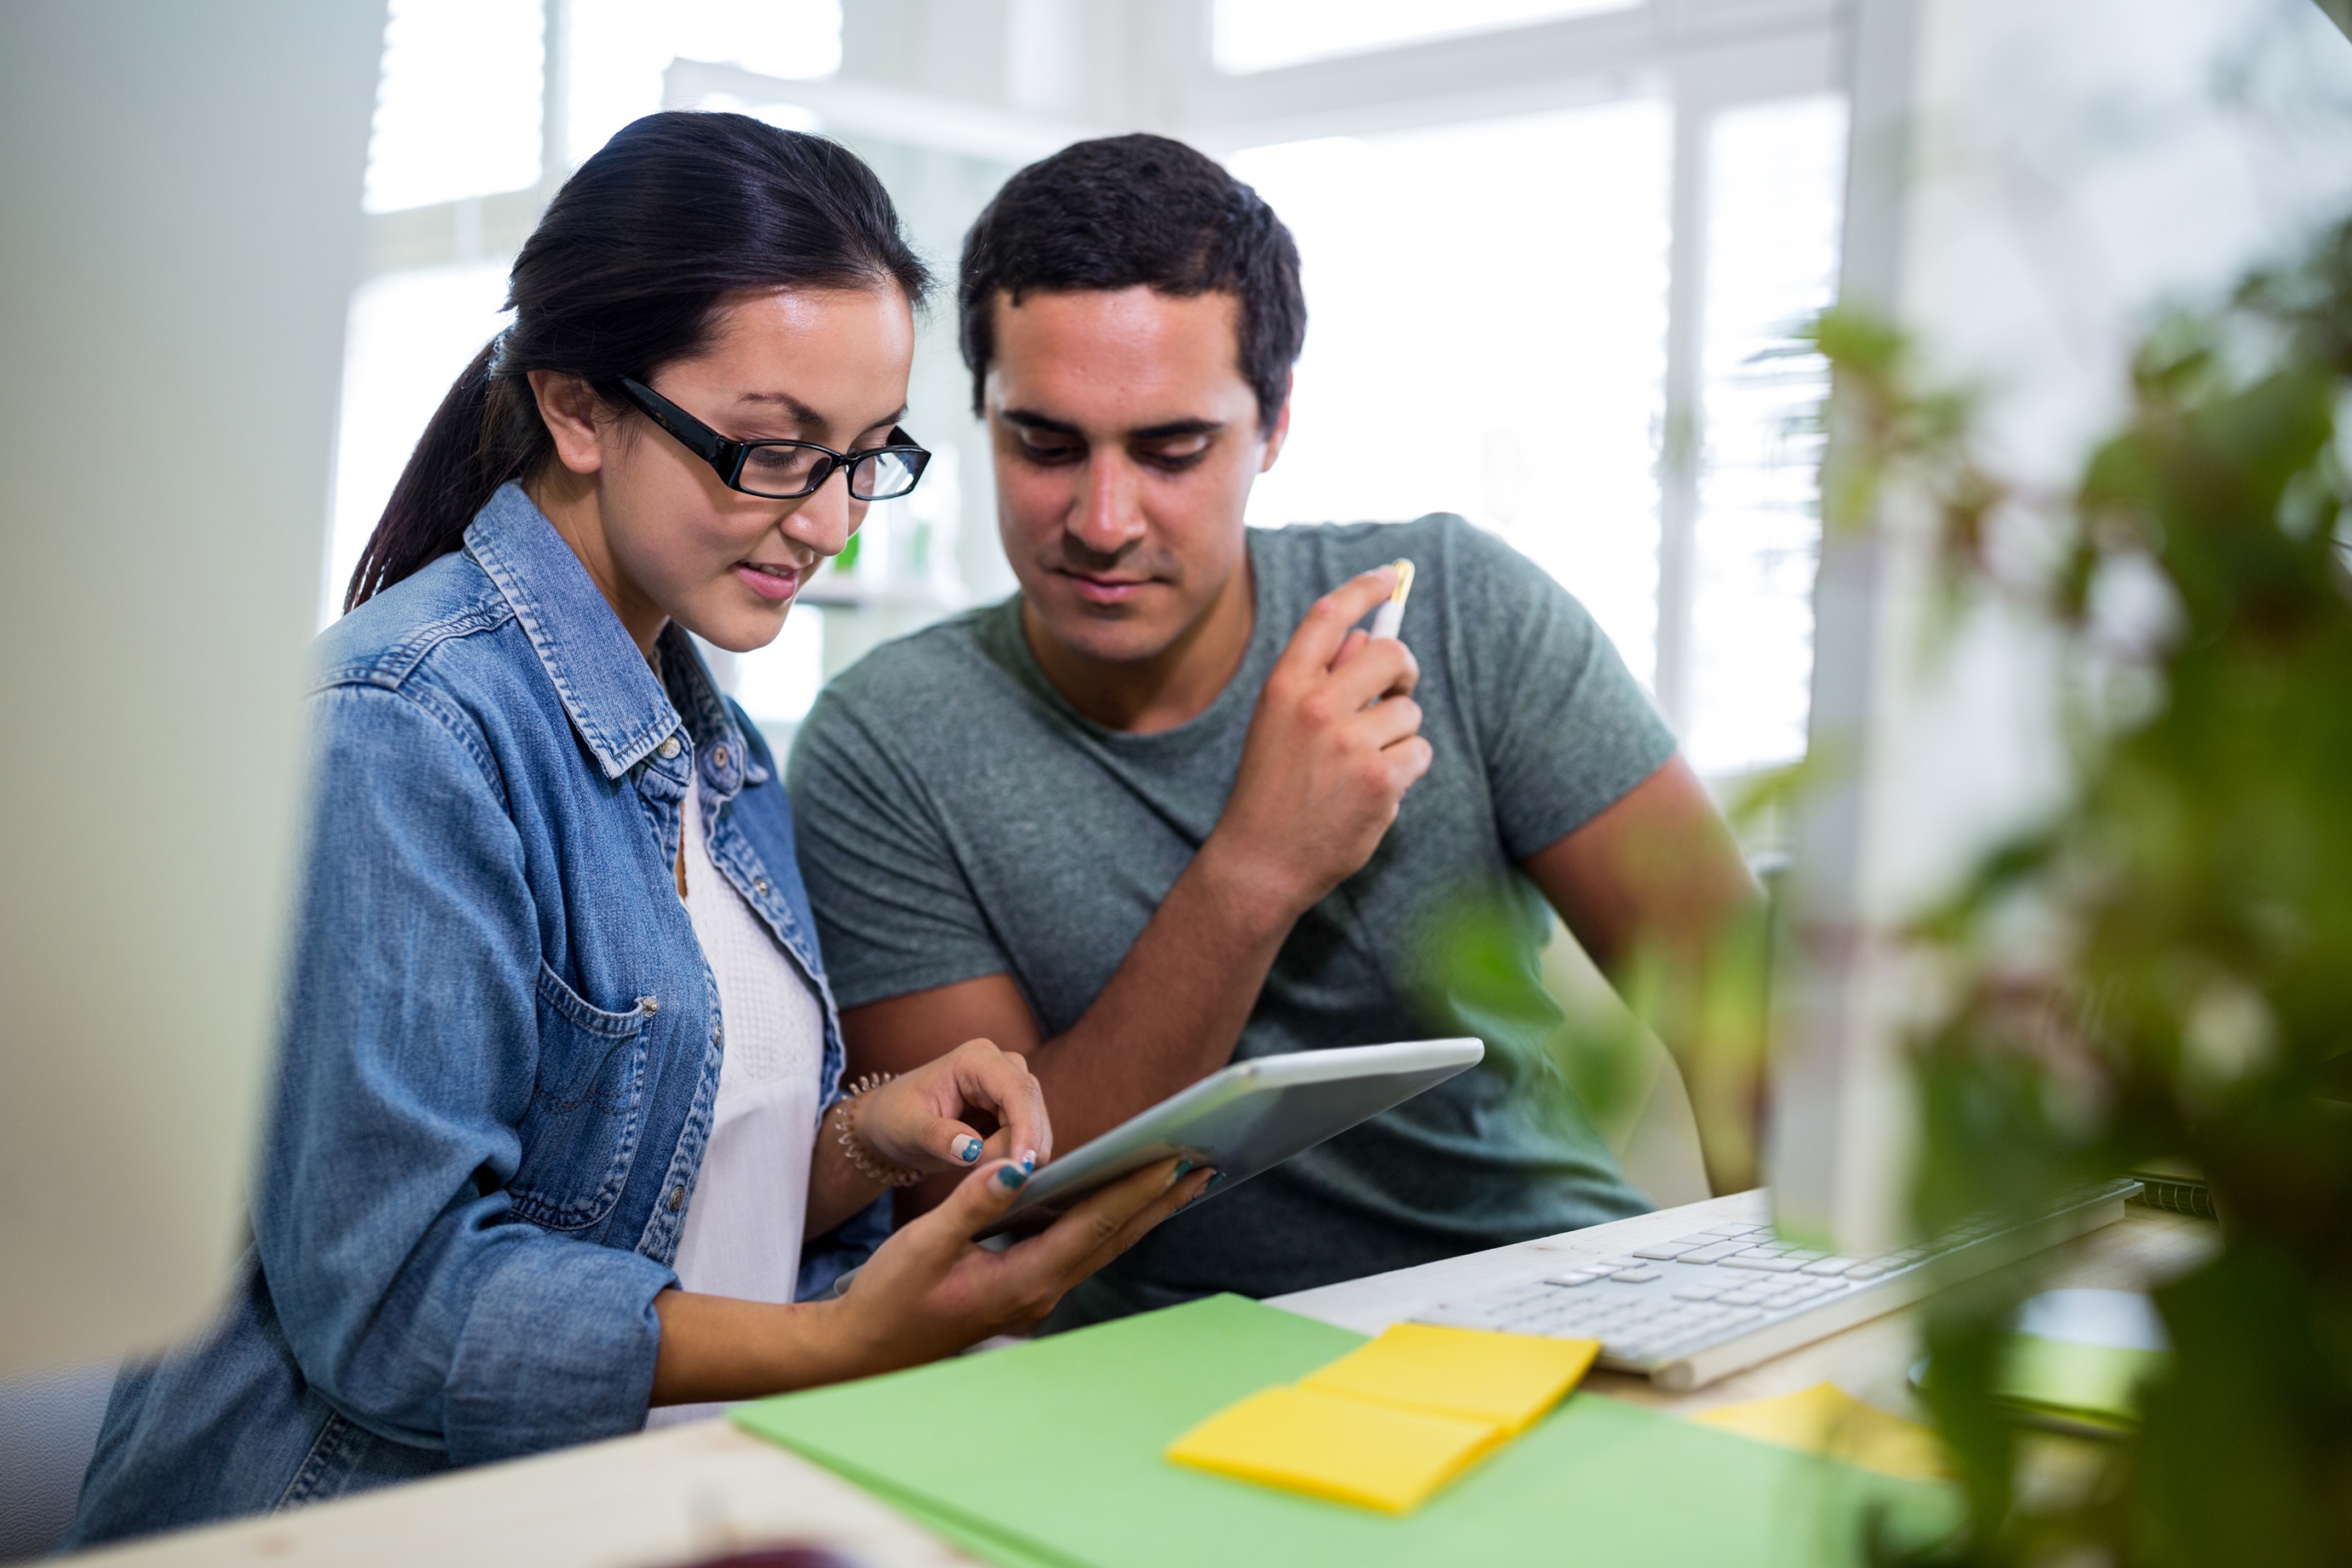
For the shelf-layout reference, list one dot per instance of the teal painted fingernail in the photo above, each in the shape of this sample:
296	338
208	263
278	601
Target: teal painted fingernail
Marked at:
1028	1159
967	1148
1184	1169
1213	1183
1012	1176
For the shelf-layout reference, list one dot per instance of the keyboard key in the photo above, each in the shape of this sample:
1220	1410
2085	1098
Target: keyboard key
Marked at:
1830	1265
1764	1265
1867	1270
1699	1292
1572	1280
1735	1230
1715	1254
1704	1238
1740	1298
1636	1276
1664	1252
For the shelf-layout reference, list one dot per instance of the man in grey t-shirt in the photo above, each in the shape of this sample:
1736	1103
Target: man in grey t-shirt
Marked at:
1165	808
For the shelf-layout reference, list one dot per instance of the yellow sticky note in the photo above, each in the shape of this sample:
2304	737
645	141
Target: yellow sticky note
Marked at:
1374	1456
1509	1379
1825	1419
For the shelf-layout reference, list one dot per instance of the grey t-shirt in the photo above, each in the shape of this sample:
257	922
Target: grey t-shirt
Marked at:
957	818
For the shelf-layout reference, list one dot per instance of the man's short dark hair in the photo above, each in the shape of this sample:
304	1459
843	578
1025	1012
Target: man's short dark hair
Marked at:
1124	211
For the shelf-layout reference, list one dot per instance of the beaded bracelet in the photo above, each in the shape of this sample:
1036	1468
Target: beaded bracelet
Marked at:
870	1165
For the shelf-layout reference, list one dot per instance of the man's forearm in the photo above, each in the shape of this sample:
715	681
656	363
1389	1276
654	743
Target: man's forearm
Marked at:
1174	1009
1709	1012
1655	889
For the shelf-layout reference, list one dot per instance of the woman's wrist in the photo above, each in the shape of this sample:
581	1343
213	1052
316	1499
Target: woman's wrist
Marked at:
828	1341
854	1136
722	1348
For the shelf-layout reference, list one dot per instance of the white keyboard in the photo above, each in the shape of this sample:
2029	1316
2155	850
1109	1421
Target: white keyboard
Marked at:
1703	1306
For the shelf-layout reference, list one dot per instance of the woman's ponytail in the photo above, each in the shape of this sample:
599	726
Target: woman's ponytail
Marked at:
627	273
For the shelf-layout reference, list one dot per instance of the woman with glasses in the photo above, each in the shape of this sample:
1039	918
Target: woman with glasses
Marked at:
560	1118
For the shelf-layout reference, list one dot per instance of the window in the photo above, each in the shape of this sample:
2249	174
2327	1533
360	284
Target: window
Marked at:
457	107
1487	309
619	49
1775	176
1261	34
1498	345
408	335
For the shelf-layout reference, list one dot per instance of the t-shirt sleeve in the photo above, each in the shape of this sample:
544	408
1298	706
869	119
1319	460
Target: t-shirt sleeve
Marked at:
1563	728
895	912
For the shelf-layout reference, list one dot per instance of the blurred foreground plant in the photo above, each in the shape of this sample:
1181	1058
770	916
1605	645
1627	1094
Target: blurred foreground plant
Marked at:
2164	968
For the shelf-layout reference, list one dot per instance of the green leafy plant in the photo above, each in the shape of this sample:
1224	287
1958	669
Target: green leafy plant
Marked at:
2162	969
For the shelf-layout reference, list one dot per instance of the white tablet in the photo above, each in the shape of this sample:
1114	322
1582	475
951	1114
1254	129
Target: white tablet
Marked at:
1246	1118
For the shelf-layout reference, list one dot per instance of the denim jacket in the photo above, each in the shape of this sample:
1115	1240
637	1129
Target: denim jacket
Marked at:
499	1053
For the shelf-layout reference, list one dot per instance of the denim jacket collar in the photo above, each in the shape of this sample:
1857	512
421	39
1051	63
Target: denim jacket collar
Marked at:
616	701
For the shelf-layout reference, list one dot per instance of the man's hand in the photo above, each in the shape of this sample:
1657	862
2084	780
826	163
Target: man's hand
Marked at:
1333	747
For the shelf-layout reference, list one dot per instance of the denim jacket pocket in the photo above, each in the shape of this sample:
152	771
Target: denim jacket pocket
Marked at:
582	1128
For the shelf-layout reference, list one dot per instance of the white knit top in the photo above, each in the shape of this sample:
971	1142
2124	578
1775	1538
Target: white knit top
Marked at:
742	1231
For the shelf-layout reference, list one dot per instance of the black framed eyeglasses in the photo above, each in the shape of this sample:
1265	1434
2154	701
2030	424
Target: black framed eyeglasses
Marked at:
785	470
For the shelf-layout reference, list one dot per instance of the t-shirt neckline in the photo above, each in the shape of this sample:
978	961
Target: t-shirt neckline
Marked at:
1257	662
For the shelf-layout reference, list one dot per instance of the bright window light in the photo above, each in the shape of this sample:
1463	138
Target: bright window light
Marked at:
408	335
1776	179
458	107
1489	321
619	49
777	683
1262	34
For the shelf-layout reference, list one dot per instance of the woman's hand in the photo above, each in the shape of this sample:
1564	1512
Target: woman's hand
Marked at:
930	1291
916	1120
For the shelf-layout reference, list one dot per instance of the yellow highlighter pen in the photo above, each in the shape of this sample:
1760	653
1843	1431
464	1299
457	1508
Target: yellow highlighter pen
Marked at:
1389	616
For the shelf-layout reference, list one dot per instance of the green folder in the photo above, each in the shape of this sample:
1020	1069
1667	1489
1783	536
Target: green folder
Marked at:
1048	1456
2093	1387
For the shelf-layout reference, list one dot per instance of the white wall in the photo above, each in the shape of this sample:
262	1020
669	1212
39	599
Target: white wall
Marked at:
181	186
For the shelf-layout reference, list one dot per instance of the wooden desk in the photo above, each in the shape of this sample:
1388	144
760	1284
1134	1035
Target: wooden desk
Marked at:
689	1492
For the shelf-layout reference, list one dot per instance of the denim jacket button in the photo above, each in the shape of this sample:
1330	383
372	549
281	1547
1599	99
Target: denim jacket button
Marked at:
669	747
677	1198
760	885
719	756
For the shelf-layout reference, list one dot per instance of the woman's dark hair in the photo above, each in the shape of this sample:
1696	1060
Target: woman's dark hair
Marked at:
1127	211
627	273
